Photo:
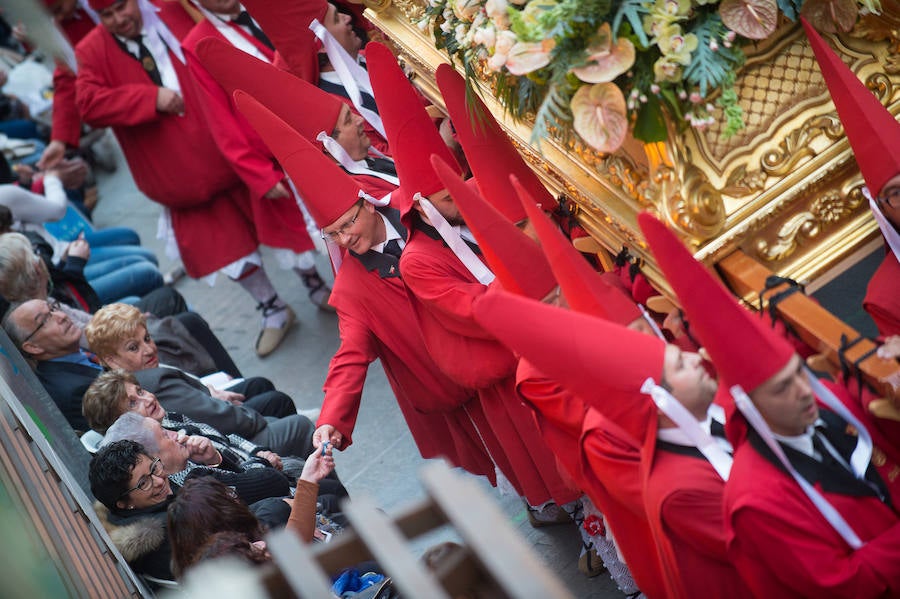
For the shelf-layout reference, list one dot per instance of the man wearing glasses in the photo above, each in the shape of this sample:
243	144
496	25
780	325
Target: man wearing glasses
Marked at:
46	335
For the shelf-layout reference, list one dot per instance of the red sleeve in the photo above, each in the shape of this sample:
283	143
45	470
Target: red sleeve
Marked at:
445	295
346	376
787	543
66	119
100	101
256	169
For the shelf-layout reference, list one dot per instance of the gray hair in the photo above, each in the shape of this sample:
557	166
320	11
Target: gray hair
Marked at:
131	426
20	269
16	333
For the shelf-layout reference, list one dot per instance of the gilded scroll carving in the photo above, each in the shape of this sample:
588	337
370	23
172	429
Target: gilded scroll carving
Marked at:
825	211
796	146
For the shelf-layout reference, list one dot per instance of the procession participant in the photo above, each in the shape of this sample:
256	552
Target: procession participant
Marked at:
874	136
132	77
609	368
375	317
76	19
806	512
317	29
278	218
325	121
441	288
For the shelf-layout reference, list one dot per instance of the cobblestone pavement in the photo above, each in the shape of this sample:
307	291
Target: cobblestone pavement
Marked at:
383	461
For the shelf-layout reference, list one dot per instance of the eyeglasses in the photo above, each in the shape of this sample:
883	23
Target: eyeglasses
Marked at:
343	229
52	306
145	483
890	197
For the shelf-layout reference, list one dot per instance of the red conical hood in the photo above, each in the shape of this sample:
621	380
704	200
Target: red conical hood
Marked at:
601	362
584	289
873	133
302	105
412	136
744	351
491	154
516	260
330	192
286	24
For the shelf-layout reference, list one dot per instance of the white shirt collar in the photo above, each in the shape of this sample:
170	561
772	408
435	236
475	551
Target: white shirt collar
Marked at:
391	232
802	443
676	436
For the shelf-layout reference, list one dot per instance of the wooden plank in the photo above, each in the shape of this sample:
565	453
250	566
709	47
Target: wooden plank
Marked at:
348	549
816	326
484	529
298	565
391	550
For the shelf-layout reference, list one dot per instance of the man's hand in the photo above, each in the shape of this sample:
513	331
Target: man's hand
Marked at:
72	173
228	396
324	433
278	191
318	465
168	101
272	457
201	450
53	153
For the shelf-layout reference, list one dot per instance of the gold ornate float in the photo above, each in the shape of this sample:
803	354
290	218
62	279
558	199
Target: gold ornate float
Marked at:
785	190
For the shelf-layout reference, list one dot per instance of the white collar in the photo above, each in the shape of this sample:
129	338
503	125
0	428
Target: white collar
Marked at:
391	233
676	436
802	443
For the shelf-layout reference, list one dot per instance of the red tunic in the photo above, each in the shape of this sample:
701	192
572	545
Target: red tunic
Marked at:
683	498
174	159
882	300
611	476
279	222
442	292
784	547
66	125
376	322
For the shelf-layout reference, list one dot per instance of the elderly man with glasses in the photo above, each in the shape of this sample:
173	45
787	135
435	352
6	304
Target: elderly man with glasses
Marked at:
48	336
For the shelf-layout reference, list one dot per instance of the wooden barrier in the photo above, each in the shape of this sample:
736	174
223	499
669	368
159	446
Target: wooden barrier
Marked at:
63	547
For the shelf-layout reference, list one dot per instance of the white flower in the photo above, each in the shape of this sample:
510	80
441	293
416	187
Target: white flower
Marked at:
465	10
496	62
446	27
505	41
485	36
495	8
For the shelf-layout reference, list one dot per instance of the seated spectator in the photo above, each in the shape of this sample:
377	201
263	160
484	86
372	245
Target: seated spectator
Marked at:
117	392
111	259
186	339
206	507
184	455
133	493
46	335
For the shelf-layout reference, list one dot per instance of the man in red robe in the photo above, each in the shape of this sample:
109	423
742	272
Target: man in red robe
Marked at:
325	121
310	34
375	317
806	511
76	21
276	214
132	77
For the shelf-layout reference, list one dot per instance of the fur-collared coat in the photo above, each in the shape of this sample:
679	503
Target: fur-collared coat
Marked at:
141	538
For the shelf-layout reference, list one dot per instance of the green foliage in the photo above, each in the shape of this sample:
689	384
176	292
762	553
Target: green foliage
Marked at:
708	67
633	12
650	122
734	114
554	115
790	8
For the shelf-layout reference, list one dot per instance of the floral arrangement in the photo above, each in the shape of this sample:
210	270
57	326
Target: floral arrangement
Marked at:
600	68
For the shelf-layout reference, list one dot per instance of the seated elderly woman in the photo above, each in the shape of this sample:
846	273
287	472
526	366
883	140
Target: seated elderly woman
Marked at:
206	507
118	335
133	493
117	392
187	338
185	455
